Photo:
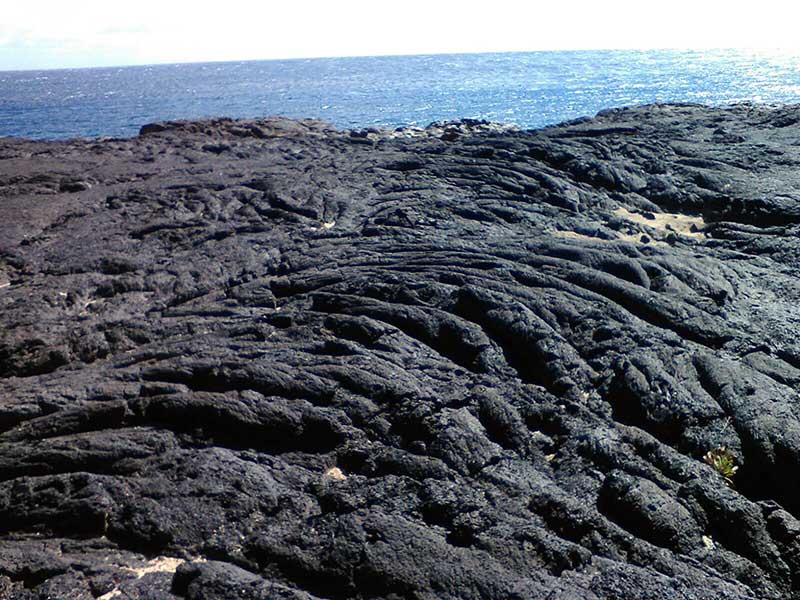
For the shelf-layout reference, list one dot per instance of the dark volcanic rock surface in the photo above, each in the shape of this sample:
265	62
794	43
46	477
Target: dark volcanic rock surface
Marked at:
270	359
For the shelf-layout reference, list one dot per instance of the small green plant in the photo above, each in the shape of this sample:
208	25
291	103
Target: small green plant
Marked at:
723	462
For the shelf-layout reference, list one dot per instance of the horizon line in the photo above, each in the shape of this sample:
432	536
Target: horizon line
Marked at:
764	49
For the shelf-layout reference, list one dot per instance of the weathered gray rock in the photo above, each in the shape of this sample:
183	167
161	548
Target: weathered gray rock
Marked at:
270	359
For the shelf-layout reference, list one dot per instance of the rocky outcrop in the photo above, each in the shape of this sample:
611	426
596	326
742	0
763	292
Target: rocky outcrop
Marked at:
271	359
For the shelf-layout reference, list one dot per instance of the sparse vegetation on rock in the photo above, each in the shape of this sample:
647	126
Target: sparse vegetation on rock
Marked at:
723	461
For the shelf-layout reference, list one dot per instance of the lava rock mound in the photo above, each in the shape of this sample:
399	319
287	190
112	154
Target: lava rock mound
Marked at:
272	359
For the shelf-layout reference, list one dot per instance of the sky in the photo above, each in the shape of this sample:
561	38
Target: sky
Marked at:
42	34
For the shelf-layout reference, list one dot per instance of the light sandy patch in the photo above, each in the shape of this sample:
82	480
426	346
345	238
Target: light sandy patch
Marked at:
335	473
324	225
160	564
680	224
576	236
621	237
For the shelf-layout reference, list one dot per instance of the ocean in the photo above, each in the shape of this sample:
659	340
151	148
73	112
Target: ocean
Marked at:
530	89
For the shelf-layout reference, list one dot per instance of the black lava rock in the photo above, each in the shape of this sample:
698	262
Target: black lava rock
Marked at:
271	359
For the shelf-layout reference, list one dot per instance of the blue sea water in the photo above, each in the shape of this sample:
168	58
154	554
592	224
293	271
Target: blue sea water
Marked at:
530	89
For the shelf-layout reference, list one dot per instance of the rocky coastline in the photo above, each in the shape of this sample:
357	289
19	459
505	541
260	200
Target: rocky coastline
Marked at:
252	359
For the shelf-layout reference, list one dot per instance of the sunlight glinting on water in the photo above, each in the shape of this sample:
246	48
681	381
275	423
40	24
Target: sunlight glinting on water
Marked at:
530	89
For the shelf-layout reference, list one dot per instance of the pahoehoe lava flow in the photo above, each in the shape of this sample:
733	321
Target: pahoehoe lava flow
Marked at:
272	359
